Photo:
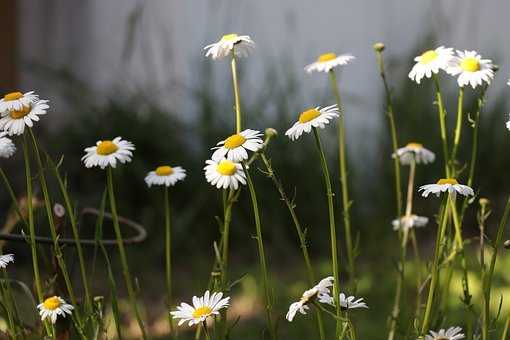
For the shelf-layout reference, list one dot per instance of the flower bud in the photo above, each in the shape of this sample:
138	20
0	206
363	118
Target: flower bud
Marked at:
379	47
270	132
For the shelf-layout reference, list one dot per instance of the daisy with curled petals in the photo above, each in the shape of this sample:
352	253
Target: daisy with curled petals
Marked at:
240	44
452	333
471	69
108	152
5	260
407	222
7	147
203	307
449	185
416	152
19	110
165	175
430	62
318	290
316	117
346	302
327	61
235	147
224	174
54	306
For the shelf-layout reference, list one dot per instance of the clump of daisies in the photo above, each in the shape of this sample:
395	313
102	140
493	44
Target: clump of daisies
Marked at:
52	307
202	308
19	110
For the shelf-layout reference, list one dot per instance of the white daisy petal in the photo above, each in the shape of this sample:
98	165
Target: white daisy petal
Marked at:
322	288
54	306
108	152
327	61
316	117
471	69
203	307
407	222
165	175
416	152
452	333
5	260
449	185
224	174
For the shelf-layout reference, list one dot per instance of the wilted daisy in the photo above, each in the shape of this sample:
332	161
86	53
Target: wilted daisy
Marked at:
452	333
18	110
346	302
234	147
471	69
5	260
430	62
108	152
54	306
318	290
241	44
449	185
407	222
7	147
414	151
202	308
327	61
165	175
224	174
316	117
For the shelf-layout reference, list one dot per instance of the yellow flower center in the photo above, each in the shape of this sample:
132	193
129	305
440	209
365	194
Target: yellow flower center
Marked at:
414	145
234	141
201	311
226	168
164	170
428	56
13	96
51	303
17	114
106	147
451	181
229	37
326	57
470	64
308	115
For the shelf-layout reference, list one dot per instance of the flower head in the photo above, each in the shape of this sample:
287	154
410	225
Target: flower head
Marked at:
240	44
165	175
452	333
407	222
430	62
316	117
224	174
235	147
52	307
108	152
18	110
315	292
346	302
327	61
414	151
202	308
7	147
5	260
449	185
471	69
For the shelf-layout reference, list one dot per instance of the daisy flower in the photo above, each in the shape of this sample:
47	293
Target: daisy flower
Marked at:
414	151
429	62
5	260
327	61
18	110
452	333
508	123
234	147
108	152
202	308
241	44
346	302
316	117
7	147
54	306
318	290
165	175
224	174
471	69
449	185
407	222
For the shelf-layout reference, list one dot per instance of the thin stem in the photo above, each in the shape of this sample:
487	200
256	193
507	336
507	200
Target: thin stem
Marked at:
442	124
458	128
332	227
206	332
262	255
346	203
122	253
505	329
168	258
235	85
486	304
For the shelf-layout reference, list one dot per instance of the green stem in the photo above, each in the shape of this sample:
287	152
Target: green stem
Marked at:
332	227
168	258
7	302
442	124
505	329
235	85
262	255
346	203
122	253
393	130
458	128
